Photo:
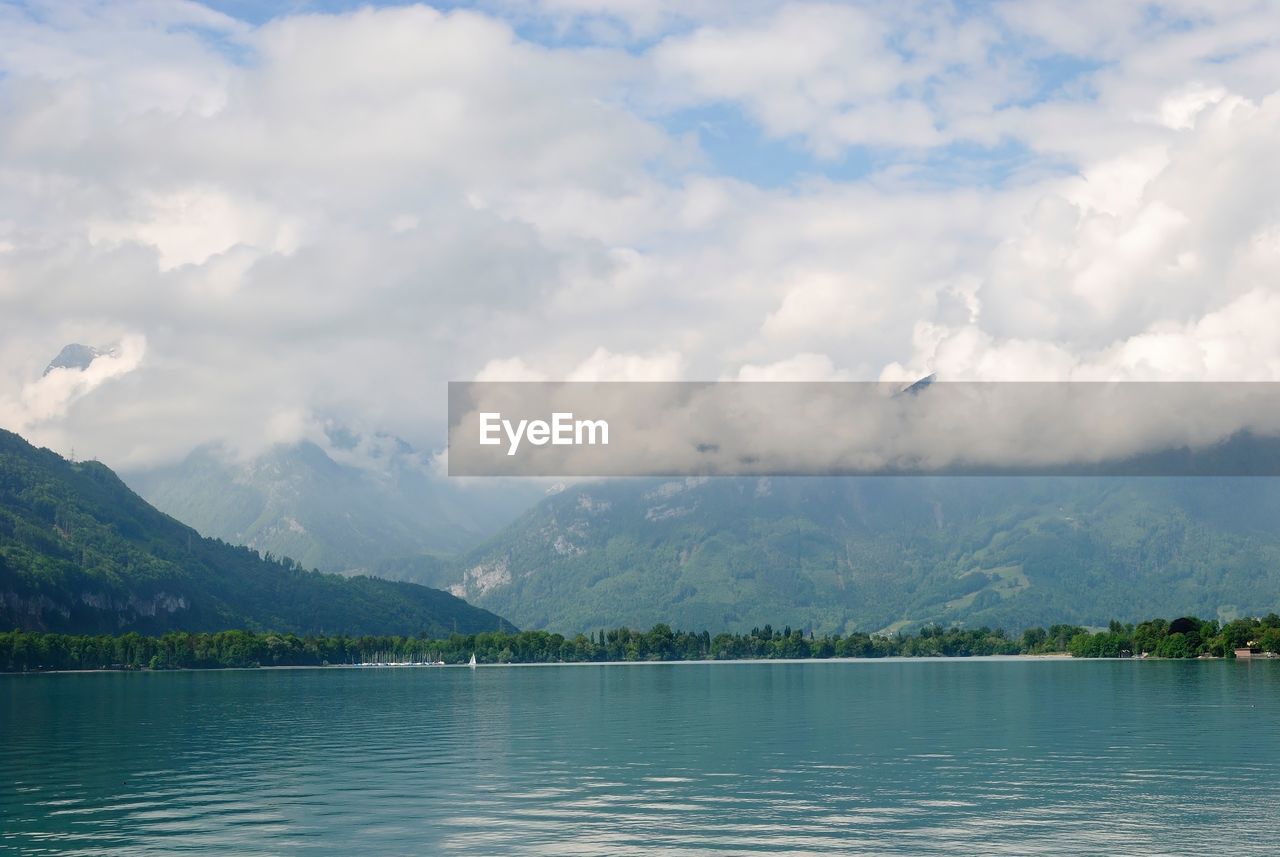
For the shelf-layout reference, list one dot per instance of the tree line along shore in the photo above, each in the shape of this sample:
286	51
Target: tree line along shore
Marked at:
1187	637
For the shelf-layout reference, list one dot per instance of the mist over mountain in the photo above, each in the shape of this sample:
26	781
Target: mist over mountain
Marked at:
363	501
80	552
826	554
343	504
881	553
75	356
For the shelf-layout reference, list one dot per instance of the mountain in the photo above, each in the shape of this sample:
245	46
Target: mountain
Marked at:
840	554
355	501
80	552
366	500
75	356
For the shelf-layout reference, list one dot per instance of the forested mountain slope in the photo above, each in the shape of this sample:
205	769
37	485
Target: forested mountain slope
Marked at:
882	553
81	552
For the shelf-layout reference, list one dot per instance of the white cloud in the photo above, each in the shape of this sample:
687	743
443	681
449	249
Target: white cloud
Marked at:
801	367
329	216
1180	109
51	395
187	227
822	72
510	369
604	365
824	305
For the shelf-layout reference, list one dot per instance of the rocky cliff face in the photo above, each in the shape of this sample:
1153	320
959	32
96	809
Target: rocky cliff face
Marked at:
41	612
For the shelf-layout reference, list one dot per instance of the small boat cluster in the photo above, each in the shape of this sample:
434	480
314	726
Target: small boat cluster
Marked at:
388	661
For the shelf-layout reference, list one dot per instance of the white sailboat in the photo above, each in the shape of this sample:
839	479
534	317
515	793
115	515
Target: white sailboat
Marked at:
472	664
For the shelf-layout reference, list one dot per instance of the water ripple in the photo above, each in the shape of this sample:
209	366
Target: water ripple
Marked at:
942	757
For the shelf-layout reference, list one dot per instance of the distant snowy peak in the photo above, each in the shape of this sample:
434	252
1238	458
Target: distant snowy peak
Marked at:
77	356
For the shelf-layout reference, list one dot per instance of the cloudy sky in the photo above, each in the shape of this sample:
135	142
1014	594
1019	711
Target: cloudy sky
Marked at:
286	214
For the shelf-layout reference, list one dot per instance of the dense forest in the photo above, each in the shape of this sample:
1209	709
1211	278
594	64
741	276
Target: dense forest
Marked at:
879	553
1187	637
1182	638
80	552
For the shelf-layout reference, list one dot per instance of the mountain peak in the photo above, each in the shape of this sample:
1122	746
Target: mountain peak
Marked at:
919	386
76	356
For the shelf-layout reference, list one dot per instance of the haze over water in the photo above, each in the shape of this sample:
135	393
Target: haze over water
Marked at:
874	757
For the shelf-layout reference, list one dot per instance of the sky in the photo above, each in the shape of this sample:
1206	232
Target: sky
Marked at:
291	215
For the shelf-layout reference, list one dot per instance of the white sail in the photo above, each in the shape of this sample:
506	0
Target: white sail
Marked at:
473	659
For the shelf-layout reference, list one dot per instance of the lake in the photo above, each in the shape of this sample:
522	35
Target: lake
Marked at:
993	756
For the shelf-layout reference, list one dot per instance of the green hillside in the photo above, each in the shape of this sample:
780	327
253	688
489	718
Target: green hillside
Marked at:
837	555
81	552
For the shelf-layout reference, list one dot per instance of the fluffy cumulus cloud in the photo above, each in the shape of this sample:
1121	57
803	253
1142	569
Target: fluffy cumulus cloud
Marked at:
833	76
311	219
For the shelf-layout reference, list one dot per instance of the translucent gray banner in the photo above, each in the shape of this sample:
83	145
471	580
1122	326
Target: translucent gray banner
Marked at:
829	429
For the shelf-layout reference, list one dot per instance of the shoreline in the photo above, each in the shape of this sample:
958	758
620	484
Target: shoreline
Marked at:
1184	638
1045	657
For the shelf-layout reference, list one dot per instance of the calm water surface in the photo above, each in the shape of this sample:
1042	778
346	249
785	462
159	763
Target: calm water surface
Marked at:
897	757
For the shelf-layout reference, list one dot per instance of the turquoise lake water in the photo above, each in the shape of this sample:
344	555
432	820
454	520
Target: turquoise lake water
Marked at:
986	756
